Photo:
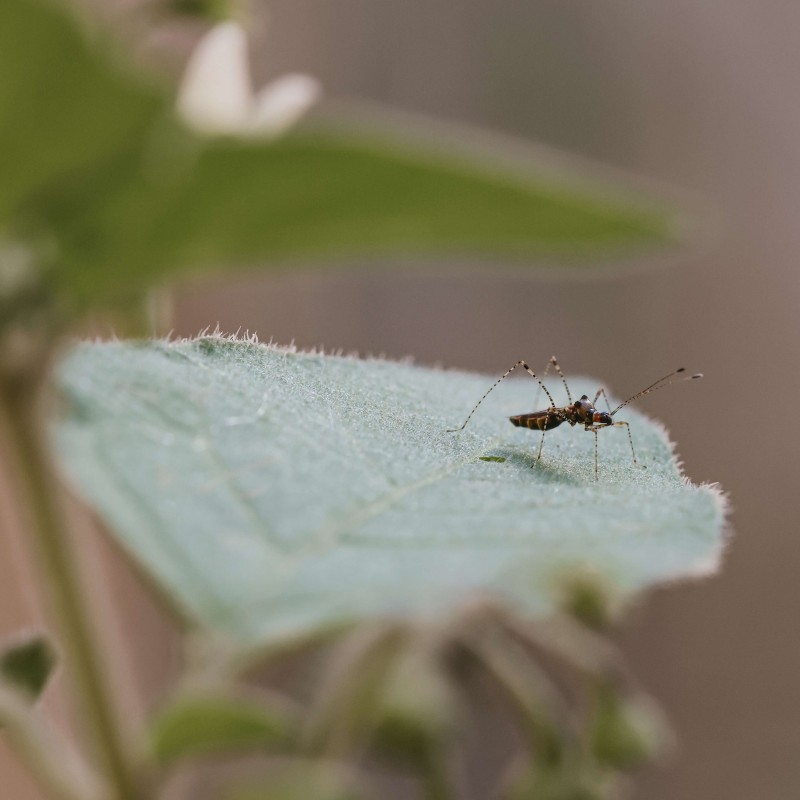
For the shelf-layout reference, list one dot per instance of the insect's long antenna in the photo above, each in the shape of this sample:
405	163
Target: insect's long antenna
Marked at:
504	375
659	384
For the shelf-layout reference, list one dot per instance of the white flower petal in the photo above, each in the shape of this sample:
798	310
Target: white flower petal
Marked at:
216	96
282	102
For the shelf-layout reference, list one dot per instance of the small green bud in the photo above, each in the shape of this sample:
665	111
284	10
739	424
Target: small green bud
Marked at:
28	664
588	598
626	731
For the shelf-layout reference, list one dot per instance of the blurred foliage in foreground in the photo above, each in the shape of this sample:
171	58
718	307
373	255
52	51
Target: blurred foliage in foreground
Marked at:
114	194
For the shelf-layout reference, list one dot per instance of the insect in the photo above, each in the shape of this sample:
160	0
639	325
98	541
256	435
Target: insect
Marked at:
579	412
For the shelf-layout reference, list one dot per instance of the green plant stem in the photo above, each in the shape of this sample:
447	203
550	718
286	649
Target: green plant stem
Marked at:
357	669
40	492
534	697
58	770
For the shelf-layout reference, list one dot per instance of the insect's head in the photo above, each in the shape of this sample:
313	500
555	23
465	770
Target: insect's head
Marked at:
602	418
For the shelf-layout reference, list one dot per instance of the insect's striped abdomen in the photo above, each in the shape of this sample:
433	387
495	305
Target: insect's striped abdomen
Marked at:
537	420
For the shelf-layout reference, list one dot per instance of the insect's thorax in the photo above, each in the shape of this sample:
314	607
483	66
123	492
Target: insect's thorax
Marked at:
581	411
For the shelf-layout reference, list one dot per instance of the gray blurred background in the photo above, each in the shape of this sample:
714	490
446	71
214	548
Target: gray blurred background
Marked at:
702	95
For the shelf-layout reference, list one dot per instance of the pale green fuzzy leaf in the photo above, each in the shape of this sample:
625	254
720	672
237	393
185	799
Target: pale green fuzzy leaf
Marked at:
271	493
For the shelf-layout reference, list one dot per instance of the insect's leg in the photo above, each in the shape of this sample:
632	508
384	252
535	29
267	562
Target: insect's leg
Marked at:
541	442
605	397
539	389
554	362
503	376
630	439
596	428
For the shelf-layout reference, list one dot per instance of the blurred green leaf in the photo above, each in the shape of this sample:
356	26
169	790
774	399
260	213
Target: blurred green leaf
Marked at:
313	197
272	493
65	106
27	663
203	9
95	163
196	725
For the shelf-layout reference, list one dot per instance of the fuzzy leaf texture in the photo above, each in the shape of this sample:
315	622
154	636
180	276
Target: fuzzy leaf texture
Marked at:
101	180
272	493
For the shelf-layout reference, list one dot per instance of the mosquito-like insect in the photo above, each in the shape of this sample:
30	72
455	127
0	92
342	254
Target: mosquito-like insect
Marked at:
579	412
